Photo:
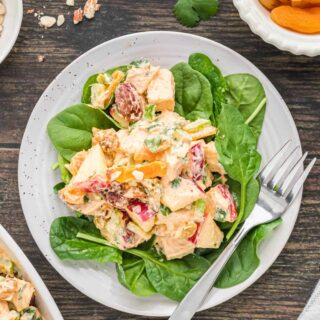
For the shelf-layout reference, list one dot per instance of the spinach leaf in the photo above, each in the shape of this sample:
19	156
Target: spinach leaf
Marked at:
70	131
66	244
58	187
86	91
252	194
193	93
203	64
132	275
172	278
244	260
246	93
236	146
65	174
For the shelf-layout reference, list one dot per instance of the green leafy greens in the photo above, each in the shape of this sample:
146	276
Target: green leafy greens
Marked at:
190	12
70	131
193	93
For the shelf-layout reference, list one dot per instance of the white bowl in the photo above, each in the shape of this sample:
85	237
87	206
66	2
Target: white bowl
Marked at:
11	26
44	300
36	178
259	20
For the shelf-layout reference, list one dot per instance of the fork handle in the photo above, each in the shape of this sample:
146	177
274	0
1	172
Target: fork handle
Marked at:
196	296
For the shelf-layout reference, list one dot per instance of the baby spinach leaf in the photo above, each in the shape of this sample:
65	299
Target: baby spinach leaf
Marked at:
86	91
190	12
203	64
132	275
58	187
66	245
193	93
244	260
236	146
172	278
252	194
70	131
246	93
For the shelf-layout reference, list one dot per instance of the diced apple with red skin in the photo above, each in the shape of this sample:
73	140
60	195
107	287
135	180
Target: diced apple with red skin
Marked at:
141	214
208	234
220	202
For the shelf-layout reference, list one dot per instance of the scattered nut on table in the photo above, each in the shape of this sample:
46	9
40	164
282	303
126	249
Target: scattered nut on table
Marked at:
2	14
47	21
60	20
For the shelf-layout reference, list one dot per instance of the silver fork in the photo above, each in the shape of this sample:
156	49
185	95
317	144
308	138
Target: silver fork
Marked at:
280	184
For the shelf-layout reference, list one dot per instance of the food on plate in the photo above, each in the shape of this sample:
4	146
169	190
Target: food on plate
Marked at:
2	14
17	295
302	16
159	167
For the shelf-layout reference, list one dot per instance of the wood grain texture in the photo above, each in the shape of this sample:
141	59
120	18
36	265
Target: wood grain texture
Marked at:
283	291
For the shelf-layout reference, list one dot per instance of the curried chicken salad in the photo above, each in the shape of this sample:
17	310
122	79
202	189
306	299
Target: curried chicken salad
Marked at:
159	167
17	296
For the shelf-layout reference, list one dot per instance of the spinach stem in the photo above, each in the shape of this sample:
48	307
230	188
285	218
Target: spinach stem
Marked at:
84	236
242	205
258	109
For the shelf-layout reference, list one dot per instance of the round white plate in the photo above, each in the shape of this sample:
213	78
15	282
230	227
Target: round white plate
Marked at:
44	300
36	179
259	20
11	26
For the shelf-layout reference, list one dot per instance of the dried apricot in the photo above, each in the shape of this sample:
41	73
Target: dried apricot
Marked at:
297	19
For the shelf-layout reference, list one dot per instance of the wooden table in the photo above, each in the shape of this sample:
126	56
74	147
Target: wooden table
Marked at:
283	291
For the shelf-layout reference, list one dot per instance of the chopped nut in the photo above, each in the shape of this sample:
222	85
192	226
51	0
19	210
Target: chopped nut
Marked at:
60	20
77	16
70	3
90	8
41	58
47	21
30	11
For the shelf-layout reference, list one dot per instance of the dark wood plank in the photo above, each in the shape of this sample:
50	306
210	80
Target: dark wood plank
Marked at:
283	291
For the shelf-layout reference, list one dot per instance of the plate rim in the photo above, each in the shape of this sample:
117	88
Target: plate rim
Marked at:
112	304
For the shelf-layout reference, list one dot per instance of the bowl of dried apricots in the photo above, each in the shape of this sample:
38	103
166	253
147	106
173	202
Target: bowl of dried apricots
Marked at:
290	25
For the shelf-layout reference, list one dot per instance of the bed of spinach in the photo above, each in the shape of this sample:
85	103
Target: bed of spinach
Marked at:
70	131
236	105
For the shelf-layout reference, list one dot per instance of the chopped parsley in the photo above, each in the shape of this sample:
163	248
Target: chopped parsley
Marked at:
165	211
175	183
190	12
153	143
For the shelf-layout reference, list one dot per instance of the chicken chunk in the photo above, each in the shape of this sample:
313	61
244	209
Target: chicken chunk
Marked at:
4	308
142	76
180	224
179	193
161	91
211	157
174	248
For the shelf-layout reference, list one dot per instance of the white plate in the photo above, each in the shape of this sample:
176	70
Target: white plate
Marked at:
259	20
36	179
44	300
11	26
